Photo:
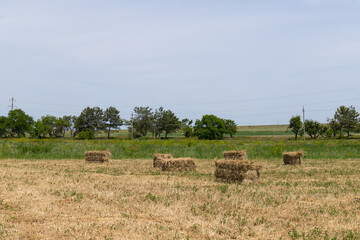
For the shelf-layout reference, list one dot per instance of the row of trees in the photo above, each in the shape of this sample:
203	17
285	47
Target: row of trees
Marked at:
345	120
18	123
94	119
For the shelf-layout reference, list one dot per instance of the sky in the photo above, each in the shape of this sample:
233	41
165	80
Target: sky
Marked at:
257	62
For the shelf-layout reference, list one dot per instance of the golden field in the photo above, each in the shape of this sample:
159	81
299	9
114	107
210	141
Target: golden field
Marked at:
128	199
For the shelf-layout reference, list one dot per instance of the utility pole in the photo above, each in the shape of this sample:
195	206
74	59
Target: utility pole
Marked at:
304	121
12	100
132	125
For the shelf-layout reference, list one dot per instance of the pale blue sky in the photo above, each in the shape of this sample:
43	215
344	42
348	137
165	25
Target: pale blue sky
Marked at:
257	62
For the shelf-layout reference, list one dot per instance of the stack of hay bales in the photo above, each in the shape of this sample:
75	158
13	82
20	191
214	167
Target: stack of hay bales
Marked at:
158	157
97	156
293	158
236	168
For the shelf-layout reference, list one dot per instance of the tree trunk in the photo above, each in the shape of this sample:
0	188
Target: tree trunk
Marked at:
296	136
109	133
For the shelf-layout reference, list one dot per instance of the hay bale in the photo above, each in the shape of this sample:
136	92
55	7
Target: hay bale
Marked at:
235	155
236	171
97	156
178	164
158	157
241	166
293	158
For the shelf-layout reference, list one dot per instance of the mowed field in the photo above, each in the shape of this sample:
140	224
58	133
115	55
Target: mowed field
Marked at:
128	199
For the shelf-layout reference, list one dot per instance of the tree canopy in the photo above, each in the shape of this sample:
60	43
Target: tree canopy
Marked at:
209	127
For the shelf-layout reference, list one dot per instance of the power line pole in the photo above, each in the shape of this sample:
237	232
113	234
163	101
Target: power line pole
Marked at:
12	100
304	121
132	125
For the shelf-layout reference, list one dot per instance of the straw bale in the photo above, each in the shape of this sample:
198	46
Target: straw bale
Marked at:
230	176
178	164
158	157
242	166
97	156
235	155
293	158
236	171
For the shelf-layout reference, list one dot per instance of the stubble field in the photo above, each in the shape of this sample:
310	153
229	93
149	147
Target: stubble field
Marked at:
128	199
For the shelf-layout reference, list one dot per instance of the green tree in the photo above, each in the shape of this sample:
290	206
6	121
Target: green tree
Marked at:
295	125
143	120
334	126
186	127
49	123
156	122
90	119
169	122
348	118
19	123
3	126
230	127
209	127
112	119
39	129
314	129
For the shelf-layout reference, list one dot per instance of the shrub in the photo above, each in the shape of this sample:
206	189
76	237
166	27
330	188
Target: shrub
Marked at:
88	134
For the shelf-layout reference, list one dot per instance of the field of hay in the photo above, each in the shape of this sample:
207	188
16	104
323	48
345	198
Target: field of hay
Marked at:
129	199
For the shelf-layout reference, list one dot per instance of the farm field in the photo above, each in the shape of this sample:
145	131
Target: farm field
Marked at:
128	199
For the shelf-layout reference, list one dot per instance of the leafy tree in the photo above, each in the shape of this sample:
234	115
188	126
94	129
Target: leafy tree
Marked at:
209	127
19	123
334	126
186	127
72	125
143	120
39	129
230	127
62	124
169	122
314	129
112	119
156	122
3	126
348	118
90	119
295	125
49	123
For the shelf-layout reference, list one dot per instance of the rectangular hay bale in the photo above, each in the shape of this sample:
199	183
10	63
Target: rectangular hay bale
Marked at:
293	158
231	176
236	171
235	155
242	166
178	164
158	157
97	156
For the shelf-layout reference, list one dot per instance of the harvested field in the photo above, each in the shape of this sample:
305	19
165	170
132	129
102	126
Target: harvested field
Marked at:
129	199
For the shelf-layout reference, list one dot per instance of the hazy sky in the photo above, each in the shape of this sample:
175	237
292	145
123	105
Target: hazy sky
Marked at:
254	61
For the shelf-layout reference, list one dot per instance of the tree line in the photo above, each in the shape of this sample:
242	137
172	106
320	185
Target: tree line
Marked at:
344	121
92	120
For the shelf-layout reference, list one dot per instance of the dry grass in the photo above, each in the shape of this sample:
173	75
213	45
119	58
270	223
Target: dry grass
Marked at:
128	199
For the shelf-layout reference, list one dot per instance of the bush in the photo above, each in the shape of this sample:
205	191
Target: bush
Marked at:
88	134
